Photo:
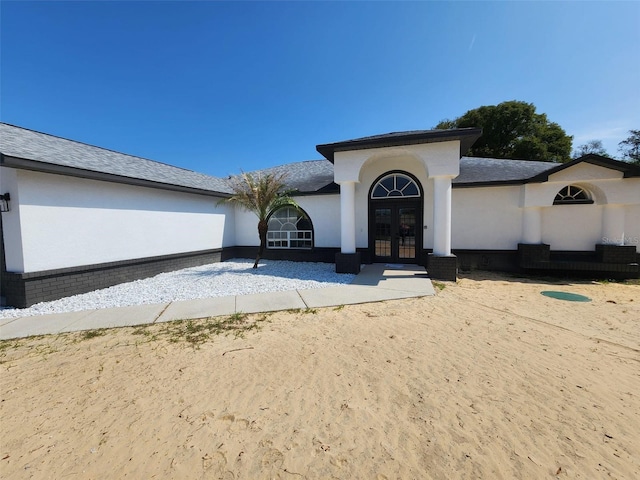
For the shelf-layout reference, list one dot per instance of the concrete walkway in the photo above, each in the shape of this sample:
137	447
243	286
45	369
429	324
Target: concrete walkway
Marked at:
376	282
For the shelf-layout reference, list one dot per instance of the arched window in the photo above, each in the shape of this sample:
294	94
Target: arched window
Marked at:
290	227
395	185
572	195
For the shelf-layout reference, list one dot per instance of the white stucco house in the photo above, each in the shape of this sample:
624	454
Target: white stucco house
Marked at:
76	217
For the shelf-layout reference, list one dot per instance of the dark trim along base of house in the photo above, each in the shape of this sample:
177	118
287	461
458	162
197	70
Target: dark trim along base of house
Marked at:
22	290
617	262
605	261
468	260
492	260
323	255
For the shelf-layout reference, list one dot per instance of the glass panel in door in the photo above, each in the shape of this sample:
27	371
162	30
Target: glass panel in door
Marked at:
407	233
382	232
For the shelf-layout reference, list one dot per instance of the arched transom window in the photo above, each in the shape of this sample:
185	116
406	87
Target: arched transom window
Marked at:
572	195
290	227
395	185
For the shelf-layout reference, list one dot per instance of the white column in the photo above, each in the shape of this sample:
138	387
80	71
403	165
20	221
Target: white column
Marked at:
613	225
532	225
442	216
348	217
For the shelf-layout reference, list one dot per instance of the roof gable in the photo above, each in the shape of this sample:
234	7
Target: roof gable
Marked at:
628	170
584	171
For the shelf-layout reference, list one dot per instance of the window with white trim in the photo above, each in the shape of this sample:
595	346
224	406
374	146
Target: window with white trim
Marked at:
395	185
289	227
572	195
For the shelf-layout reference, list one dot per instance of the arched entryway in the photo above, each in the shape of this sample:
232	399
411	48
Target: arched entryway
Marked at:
395	218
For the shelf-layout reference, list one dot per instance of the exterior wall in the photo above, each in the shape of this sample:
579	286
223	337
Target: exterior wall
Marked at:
572	227
246	227
66	235
486	218
491	217
11	231
323	210
580	227
632	225
585	172
66	222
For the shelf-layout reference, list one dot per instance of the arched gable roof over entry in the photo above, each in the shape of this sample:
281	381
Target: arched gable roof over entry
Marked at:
466	136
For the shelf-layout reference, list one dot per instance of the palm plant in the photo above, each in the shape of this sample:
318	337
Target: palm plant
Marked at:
262	195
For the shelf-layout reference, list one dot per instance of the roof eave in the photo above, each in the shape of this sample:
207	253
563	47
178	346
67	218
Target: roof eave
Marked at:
488	183
43	167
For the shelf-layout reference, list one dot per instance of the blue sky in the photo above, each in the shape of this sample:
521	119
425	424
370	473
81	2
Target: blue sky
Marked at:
220	87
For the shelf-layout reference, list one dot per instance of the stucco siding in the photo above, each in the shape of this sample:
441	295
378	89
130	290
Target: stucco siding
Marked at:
11	231
572	227
324	212
486	218
67	222
632	226
584	172
246	227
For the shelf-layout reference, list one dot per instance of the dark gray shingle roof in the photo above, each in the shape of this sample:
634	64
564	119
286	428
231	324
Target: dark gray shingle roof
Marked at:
41	151
306	177
24	144
475	170
317	175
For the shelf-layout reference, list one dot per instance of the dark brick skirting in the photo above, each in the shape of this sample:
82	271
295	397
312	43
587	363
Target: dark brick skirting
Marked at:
442	268
616	253
323	255
607	261
25	289
468	260
493	260
348	262
317	254
528	253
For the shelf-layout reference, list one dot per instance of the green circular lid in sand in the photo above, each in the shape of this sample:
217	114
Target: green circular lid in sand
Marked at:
571	297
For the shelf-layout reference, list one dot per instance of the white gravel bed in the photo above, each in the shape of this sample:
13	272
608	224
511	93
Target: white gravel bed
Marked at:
234	277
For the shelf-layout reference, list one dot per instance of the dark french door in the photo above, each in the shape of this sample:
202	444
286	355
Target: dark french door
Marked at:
395	233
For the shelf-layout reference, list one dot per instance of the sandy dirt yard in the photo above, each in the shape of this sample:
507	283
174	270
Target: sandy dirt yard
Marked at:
488	379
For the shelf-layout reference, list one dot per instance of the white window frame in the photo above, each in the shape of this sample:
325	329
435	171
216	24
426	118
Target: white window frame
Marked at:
289	237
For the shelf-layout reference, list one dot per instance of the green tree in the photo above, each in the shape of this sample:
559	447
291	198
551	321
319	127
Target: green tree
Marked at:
592	146
630	147
262	195
514	130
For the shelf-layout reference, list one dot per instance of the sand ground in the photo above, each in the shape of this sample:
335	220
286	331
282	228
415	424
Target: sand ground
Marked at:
488	379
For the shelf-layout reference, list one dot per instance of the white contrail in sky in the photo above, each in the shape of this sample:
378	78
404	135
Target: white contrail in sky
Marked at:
473	40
